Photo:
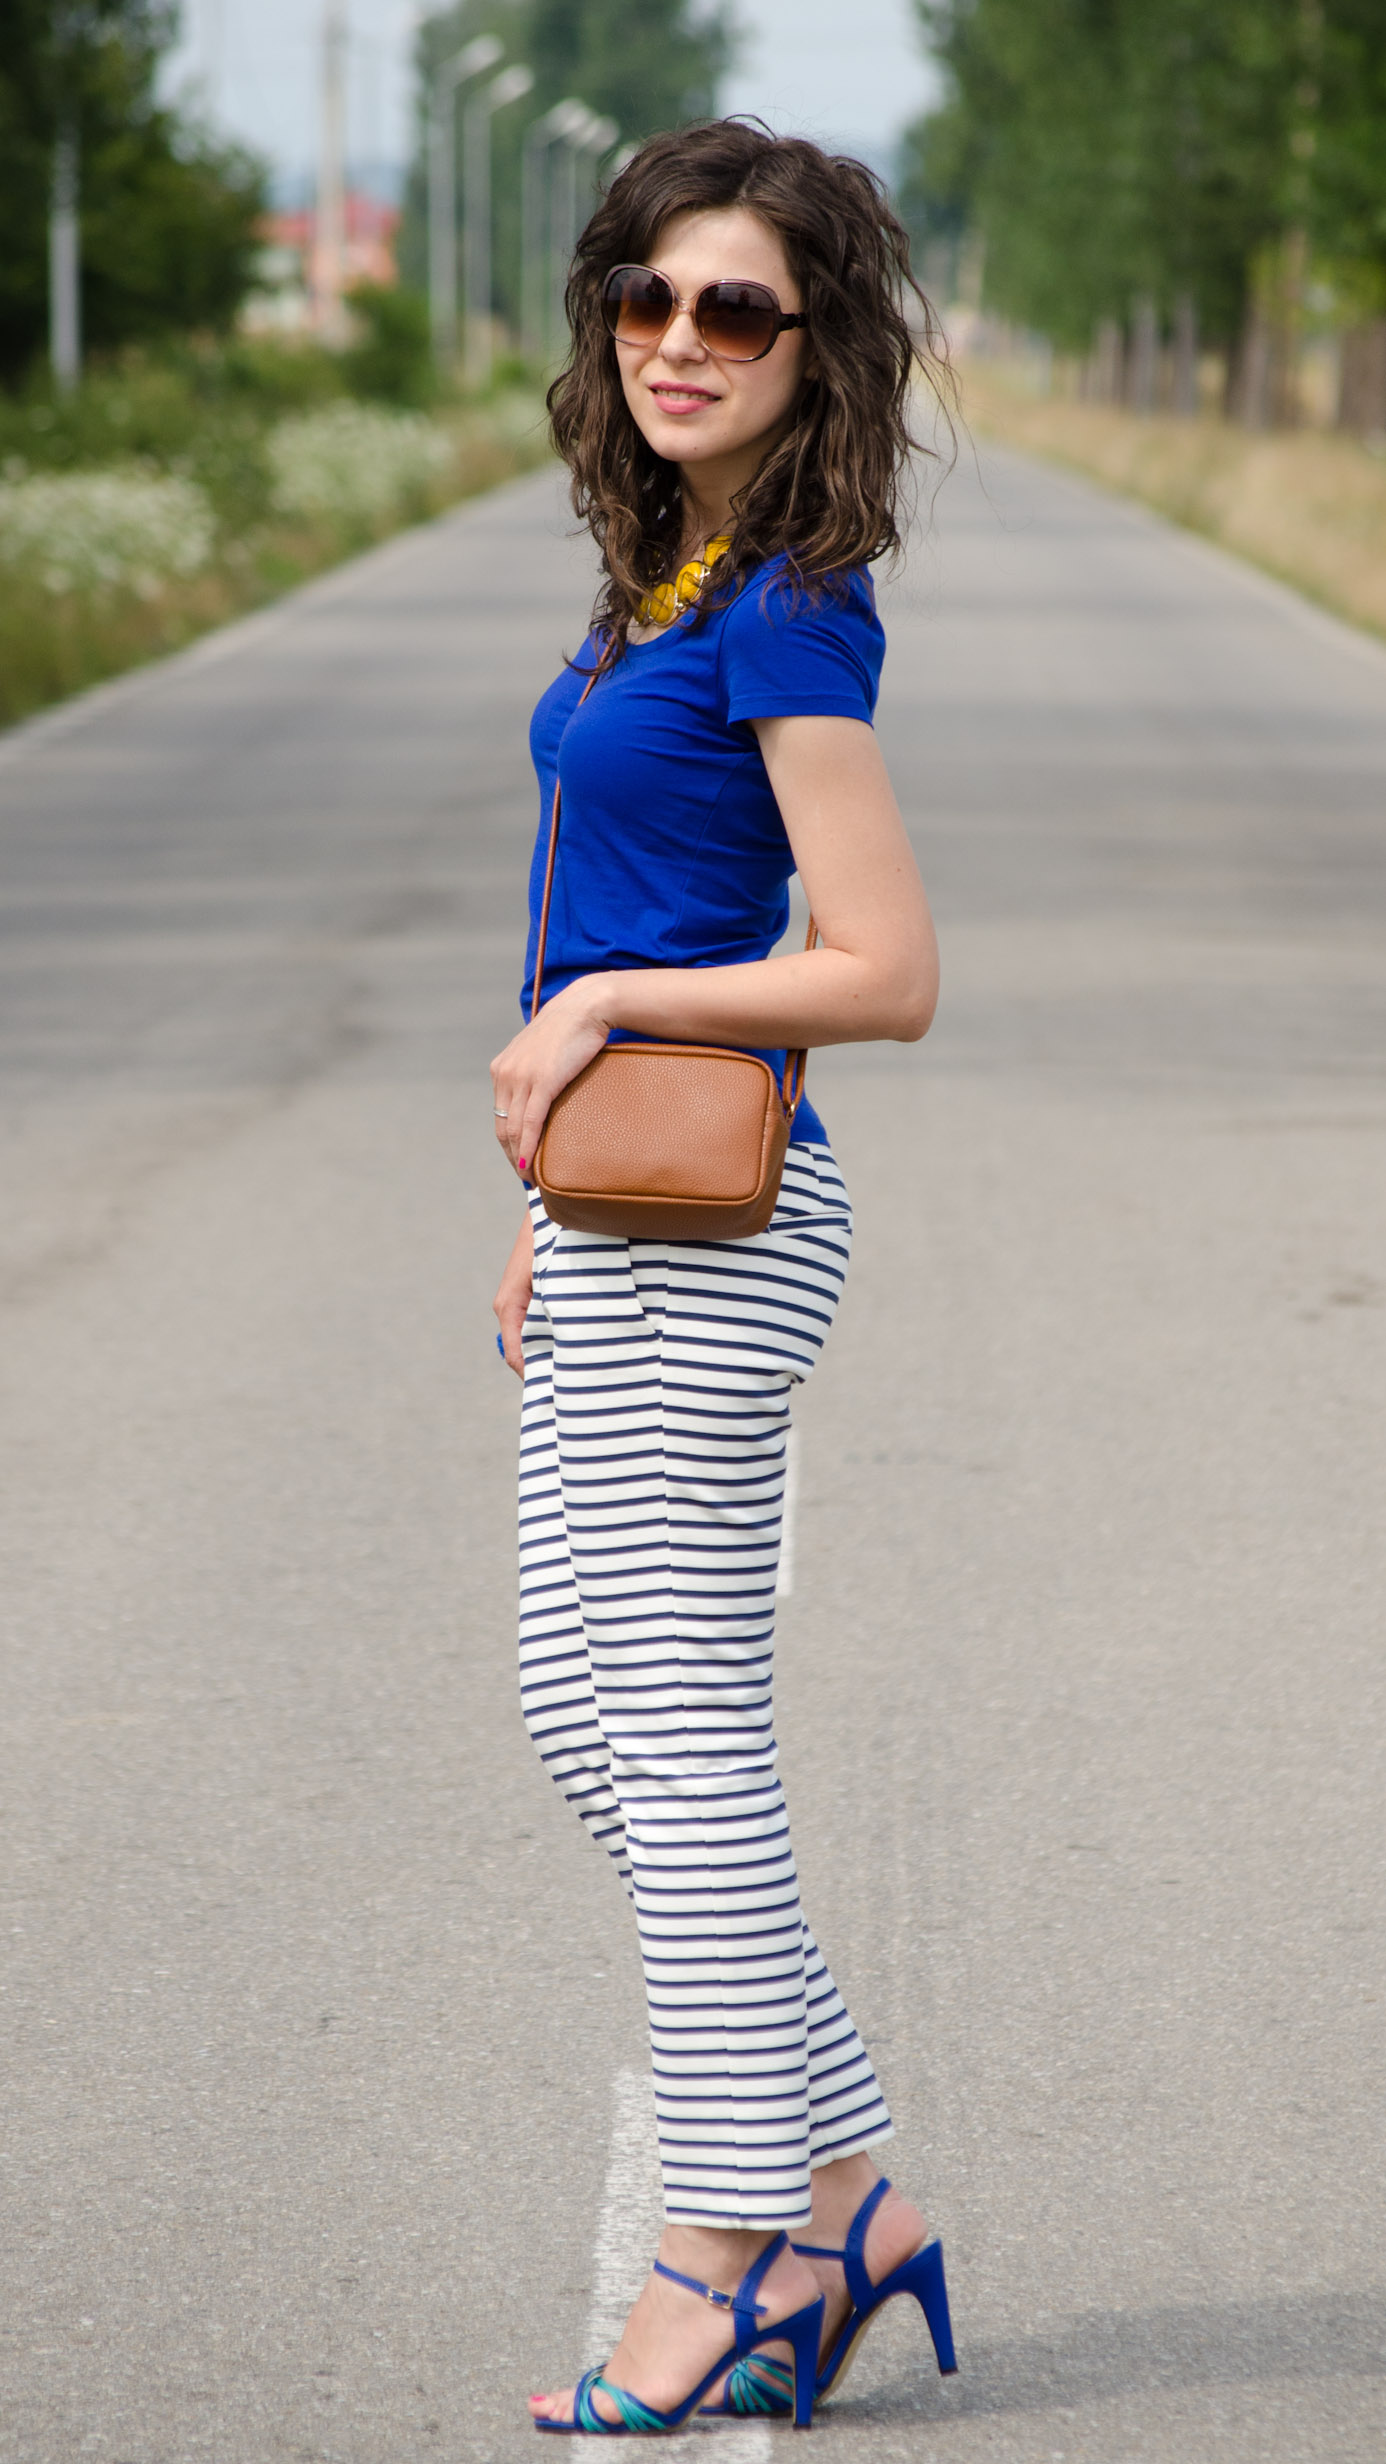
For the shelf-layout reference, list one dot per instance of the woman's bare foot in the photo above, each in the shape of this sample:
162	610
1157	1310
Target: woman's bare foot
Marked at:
894	2234
671	2338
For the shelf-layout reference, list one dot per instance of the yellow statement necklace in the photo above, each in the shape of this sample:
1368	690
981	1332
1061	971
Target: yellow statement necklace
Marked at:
668	599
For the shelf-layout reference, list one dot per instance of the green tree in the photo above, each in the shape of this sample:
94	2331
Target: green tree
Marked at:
1347	164
391	359
1107	148
167	217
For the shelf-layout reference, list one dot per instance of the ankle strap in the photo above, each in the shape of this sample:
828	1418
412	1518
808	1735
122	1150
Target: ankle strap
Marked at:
709	2292
852	2257
859	2283
742	2303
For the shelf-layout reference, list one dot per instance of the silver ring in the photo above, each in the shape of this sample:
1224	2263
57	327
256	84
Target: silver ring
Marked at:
499	1116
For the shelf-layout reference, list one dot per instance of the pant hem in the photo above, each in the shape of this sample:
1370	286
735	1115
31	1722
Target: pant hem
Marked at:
740	2224
853	2147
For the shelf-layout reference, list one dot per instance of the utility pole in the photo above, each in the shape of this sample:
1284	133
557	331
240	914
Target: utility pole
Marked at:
214	54
509	87
64	258
64	229
549	130
472	60
329	234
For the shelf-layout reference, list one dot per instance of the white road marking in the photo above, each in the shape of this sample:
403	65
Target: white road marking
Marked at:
632	2219
784	1580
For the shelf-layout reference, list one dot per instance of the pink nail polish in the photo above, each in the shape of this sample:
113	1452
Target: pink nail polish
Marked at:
522	1163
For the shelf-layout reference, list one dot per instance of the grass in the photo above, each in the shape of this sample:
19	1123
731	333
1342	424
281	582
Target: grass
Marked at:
1306	505
218	420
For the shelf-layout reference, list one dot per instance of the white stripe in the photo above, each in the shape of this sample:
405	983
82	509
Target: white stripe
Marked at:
653	1470
632	2220
784	1580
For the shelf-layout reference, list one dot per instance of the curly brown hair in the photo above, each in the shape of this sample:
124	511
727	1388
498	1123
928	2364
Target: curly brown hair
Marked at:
831	494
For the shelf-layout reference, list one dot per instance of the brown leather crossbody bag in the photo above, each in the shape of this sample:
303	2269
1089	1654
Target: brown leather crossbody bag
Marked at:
664	1141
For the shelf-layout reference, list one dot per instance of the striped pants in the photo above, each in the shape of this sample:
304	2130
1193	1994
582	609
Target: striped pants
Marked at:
656	1409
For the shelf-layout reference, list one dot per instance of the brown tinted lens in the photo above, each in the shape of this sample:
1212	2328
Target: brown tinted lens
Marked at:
737	320
636	303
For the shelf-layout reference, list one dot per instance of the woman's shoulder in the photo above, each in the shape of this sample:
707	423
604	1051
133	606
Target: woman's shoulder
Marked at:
777	603
778	591
796	643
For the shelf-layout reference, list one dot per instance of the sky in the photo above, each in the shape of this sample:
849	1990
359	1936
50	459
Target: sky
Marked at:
848	71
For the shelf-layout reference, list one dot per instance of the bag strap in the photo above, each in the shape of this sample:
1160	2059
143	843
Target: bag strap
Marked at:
543	941
795	1063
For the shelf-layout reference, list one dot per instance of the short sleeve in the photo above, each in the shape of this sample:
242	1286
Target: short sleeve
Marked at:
787	655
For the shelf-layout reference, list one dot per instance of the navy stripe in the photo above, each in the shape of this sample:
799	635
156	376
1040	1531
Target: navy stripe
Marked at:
652	1465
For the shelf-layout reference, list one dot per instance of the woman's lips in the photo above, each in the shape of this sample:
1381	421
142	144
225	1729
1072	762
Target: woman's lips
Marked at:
679	400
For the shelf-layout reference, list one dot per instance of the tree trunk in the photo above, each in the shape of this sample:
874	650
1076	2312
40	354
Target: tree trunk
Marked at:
1282	375
1104	370
1362	379
1143	362
1185	386
1251	383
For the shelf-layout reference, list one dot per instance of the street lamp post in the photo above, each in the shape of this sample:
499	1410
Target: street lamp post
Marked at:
590	136
472	60
551	129
509	87
597	139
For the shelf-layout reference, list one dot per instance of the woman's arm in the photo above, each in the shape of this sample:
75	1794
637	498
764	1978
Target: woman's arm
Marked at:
875	975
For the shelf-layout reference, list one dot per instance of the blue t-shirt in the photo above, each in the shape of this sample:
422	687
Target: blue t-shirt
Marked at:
671	850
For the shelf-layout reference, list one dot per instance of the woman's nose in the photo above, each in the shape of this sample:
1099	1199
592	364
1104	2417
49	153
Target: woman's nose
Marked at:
682	339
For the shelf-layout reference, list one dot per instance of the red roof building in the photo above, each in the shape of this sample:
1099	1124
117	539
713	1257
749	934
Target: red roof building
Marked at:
294	283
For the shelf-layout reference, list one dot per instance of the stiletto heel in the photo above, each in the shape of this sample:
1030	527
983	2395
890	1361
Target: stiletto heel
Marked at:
802	2331
923	2276
765	2389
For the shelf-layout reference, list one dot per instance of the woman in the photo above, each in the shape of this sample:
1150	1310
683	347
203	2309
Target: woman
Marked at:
734	415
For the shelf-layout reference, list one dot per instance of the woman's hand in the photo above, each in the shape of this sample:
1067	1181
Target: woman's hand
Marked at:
541	1060
513	1298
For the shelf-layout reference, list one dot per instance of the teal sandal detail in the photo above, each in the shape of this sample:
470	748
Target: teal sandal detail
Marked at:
756	2386
790	2390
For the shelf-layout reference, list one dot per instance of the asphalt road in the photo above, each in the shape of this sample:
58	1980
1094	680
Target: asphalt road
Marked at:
325	2030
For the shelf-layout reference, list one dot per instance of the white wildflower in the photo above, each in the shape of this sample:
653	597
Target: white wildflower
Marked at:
105	530
354	460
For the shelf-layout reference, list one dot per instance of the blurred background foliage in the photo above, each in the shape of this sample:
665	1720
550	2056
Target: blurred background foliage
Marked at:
168	213
1149	207
1218	159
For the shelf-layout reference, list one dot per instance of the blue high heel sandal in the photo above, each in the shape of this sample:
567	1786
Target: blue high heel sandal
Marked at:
794	2390
763	2386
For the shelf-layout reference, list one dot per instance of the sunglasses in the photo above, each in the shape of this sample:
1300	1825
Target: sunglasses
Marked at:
733	319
